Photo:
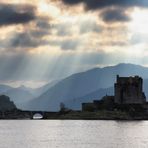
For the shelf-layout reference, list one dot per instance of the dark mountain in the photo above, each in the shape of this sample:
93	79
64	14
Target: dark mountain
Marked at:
84	83
6	104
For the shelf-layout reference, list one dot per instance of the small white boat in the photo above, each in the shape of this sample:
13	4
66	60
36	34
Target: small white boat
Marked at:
37	116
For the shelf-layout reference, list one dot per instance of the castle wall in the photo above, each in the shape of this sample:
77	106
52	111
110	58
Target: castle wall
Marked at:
128	90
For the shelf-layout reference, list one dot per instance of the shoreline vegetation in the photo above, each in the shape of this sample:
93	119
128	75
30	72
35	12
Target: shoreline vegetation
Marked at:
76	115
105	109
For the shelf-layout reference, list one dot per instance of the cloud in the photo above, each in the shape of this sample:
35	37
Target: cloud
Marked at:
69	44
62	29
138	38
24	40
99	4
16	14
89	26
72	2
66	44
30	36
42	23
114	15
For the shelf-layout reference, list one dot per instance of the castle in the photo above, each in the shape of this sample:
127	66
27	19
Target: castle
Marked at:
128	90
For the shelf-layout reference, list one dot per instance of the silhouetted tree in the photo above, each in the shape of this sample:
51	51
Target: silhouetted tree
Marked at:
62	107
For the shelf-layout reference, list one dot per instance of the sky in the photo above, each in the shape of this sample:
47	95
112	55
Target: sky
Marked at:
45	40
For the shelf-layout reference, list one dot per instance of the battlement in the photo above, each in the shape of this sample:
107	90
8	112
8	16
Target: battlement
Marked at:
128	80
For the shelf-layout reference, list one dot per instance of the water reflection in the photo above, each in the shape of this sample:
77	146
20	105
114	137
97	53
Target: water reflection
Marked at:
73	134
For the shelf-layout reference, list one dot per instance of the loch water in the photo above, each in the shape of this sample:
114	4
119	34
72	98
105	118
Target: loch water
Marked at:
73	134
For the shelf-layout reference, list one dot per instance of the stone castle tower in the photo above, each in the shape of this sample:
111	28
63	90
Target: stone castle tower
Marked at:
128	90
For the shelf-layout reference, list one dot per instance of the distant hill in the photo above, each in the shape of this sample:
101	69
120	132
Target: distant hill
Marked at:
38	91
83	84
22	95
4	88
19	96
96	95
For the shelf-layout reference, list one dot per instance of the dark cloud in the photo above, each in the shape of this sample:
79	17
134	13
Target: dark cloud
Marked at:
16	14
114	15
24	40
30	37
70	44
42	23
27	40
99	4
72	2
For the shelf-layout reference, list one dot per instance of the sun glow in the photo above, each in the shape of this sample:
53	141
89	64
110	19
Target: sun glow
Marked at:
140	21
48	9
